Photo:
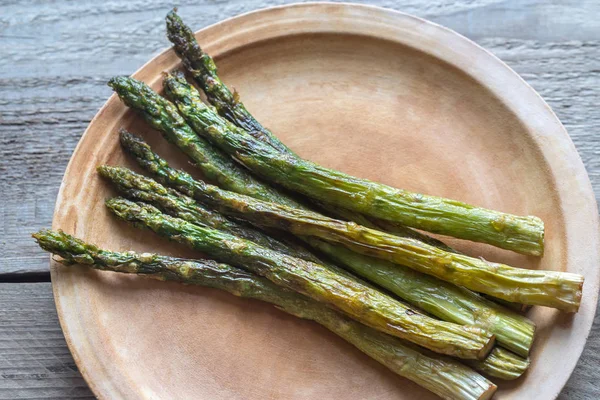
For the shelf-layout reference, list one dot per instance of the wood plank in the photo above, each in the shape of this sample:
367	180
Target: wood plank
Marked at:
35	362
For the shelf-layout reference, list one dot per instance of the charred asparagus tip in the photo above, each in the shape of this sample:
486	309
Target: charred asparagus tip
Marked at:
133	143
117	81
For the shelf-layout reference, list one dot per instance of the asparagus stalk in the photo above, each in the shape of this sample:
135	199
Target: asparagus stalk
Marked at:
205	74
501	364
438	298
357	300
204	71
141	188
444	377
547	288
217	167
429	213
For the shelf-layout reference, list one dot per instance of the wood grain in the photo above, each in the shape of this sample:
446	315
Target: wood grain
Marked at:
56	58
35	362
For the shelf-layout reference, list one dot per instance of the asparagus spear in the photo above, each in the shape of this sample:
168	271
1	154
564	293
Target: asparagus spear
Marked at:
438	298
547	288
429	213
204	71
445	377
359	301
217	167
501	364
141	188
228	105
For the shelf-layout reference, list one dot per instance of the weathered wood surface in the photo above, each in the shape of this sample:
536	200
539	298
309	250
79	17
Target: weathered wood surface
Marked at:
55	58
35	362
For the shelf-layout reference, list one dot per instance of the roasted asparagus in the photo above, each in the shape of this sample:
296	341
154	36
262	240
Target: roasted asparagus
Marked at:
443	376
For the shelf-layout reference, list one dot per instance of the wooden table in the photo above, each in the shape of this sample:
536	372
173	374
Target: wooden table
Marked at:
55	60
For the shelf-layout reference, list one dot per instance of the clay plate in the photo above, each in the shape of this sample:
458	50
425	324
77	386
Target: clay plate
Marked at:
372	92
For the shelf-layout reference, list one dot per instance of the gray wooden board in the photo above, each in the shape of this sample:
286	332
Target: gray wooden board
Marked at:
55	59
35	362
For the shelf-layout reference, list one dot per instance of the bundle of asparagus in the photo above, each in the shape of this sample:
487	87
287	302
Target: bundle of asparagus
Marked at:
320	268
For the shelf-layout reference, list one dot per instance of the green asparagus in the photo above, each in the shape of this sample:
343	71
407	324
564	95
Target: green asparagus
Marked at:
443	376
429	213
204	72
438	298
141	188
547	288
229	106
359	301
217	167
501	364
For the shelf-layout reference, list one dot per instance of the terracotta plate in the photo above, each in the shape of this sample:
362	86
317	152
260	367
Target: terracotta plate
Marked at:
372	92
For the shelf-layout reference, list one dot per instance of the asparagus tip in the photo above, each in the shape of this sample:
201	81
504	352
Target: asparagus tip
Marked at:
108	171
130	141
116	82
135	145
125	135
172	15
116	203
39	235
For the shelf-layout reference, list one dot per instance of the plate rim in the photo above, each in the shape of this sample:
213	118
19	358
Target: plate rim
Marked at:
431	28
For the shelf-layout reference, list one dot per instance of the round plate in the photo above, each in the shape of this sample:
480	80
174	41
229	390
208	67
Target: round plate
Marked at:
372	92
